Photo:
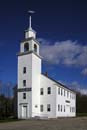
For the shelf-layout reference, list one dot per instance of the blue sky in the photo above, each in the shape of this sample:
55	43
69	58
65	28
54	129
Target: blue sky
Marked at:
61	27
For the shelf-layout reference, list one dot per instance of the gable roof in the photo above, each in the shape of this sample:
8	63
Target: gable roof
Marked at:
58	83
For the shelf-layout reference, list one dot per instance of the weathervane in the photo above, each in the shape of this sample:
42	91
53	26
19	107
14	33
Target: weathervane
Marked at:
30	12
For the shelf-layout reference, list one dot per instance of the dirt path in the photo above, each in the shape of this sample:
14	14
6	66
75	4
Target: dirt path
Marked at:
55	124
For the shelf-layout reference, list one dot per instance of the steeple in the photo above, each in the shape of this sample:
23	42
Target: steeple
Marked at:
30	43
30	28
30	32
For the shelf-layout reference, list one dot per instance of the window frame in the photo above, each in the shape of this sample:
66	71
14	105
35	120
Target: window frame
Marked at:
61	108
24	83
58	90
49	90
26	47
64	108
41	91
24	70
48	107
61	91
35	48
58	107
64	92
41	108
67	94
24	95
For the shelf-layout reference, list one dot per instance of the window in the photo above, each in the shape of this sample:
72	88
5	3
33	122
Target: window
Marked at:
36	106
24	70
64	93
41	91
73	109
70	95
48	108
58	107
67	94
70	109
41	108
64	108
24	82
24	95
26	47
35	47
49	90
61	108
59	91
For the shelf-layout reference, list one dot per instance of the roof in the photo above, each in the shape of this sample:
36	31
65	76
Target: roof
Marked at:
28	52
29	39
58	83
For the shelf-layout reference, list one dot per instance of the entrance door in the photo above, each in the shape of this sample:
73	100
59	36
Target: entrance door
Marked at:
24	111
67	110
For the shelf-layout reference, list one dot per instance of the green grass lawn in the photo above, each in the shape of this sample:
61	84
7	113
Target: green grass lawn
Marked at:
15	119
8	120
81	114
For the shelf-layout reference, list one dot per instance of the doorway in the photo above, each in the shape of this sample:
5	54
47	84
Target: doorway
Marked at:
67	110
24	112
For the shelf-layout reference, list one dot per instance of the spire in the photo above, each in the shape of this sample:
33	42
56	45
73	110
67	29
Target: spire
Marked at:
30	28
30	32
30	12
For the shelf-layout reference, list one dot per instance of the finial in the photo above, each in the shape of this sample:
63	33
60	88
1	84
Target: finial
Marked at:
30	12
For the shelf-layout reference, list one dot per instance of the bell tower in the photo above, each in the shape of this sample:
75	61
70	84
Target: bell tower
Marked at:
29	72
30	43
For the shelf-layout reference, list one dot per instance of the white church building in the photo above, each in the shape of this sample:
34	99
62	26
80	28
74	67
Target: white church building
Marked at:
38	94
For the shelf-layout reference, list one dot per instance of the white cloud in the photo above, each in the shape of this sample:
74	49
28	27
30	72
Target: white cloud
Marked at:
83	91
84	72
75	85
43	41
64	52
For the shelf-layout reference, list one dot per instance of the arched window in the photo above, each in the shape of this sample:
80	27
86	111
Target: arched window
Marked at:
26	47
35	47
